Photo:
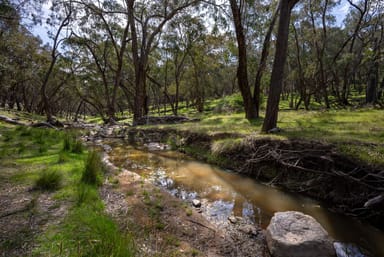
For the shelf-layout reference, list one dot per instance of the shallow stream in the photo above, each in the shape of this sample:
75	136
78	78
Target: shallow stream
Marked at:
224	193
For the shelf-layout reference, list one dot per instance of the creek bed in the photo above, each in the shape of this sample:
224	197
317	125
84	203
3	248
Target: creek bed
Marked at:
226	194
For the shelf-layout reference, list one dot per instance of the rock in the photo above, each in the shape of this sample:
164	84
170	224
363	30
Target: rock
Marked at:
347	250
295	234
196	203
249	229
274	130
153	146
232	219
107	148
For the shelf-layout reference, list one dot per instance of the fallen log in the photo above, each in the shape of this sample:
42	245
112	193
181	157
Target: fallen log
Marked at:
12	121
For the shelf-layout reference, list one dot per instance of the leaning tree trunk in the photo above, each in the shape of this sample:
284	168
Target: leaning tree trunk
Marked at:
263	60
242	73
277	75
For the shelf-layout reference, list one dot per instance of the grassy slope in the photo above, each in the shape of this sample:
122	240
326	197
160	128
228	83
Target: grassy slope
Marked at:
25	154
356	132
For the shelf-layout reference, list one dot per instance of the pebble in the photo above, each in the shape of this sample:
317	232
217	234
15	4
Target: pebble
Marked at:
196	203
232	219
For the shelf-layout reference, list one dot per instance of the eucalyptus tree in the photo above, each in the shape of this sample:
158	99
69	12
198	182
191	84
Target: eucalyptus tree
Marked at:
21	61
102	34
180	36
277	75
350	51
312	65
253	28
242	71
147	20
373	37
60	18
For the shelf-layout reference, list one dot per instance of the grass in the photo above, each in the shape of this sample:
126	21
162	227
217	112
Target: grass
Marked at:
93	169
59	170
355	132
49	180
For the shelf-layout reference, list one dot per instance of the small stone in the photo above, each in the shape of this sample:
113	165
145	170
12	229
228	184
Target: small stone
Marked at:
248	229
196	203
232	219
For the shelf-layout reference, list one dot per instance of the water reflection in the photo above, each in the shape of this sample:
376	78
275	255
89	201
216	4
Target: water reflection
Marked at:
227	193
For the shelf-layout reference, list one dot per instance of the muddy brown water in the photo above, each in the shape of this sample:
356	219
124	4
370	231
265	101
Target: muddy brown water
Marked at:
225	193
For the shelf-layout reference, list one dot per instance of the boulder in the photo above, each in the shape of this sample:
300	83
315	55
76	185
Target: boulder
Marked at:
294	234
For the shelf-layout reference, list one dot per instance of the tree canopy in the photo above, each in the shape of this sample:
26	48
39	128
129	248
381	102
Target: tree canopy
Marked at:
140	57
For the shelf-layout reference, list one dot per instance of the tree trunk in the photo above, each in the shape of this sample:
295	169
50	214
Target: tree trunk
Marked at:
277	75
373	81
263	61
242	73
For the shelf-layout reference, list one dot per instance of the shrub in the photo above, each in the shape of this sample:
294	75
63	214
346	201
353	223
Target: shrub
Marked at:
93	169
49	180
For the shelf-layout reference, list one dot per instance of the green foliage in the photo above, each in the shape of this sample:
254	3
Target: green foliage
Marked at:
86	194
77	147
87	232
63	157
72	144
230	104
49	180
93	169
67	143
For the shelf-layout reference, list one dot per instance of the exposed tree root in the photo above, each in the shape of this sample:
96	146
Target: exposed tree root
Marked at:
317	170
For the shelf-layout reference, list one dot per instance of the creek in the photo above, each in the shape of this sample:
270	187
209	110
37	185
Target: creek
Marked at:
225	194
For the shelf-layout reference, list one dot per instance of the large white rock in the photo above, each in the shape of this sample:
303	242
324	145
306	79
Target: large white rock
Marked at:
294	234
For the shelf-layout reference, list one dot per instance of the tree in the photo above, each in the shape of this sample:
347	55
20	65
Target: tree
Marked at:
147	21
277	75
107	44
263	60
242	70
57	40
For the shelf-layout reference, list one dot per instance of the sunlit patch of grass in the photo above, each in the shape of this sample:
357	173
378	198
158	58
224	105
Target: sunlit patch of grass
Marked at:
87	230
344	127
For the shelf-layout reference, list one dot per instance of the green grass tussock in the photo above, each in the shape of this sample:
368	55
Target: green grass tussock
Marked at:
72	144
93	169
49	180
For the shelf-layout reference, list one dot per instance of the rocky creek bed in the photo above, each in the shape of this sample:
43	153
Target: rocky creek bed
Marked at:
311	168
237	157
175	228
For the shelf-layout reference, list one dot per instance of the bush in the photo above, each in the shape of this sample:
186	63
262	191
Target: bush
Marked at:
49	180
93	169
